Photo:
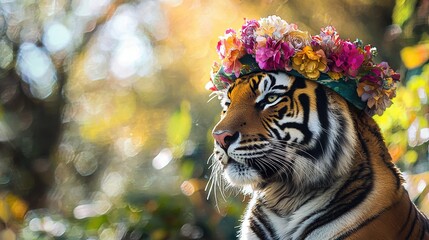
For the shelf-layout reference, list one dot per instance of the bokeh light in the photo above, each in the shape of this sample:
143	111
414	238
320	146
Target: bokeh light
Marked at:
57	37
37	70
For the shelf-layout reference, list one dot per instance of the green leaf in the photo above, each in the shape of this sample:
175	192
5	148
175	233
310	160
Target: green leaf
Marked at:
179	126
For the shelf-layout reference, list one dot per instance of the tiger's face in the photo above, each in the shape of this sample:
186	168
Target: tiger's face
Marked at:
278	128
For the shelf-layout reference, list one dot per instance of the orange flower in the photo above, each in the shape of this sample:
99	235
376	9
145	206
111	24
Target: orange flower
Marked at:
230	50
310	63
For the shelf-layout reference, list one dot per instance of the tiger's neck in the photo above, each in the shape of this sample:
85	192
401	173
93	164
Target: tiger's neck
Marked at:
284	199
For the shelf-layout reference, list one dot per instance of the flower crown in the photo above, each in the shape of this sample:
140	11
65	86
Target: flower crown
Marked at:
271	44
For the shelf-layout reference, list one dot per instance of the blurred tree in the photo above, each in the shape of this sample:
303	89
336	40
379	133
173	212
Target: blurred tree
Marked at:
33	70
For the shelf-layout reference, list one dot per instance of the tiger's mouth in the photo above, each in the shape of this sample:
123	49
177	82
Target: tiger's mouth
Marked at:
229	161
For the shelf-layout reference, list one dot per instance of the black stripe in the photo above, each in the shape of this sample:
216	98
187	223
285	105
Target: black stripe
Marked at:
408	218
273	80
424	224
274	133
257	229
305	103
281	87
340	139
266	84
322	106
255	146
287	137
322	142
300	83
302	127
264	220
413	224
282	111
295	107
255	83
422	232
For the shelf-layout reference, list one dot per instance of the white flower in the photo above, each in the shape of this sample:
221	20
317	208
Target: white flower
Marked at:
273	26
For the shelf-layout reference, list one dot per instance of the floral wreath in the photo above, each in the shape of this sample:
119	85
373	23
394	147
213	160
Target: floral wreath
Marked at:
272	44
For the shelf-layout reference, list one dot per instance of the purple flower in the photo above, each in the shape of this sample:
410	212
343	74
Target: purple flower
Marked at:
248	35
374	76
274	55
387	71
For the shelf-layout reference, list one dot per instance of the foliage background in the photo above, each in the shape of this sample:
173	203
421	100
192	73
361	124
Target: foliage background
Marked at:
104	119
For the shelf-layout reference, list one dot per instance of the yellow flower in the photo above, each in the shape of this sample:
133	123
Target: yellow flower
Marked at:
310	63
335	75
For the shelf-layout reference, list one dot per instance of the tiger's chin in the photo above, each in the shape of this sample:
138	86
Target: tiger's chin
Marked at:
238	174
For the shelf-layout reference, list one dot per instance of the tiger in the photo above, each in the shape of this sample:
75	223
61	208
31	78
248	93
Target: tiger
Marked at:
316	166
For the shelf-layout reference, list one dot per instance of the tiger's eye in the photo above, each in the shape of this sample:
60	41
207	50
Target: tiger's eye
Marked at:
272	98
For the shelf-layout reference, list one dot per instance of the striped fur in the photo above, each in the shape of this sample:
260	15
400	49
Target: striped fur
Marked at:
316	166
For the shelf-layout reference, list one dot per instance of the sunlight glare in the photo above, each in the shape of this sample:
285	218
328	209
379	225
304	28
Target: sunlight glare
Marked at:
421	186
113	184
37	70
163	158
124	23
424	135
56	37
129	56
48	225
129	147
90	8
92	209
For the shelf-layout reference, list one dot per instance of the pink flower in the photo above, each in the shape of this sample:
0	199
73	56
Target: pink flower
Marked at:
354	58
348	59
248	35
388	72
274	55
230	50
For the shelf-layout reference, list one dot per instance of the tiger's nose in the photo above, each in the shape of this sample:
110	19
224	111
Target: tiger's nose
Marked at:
225	138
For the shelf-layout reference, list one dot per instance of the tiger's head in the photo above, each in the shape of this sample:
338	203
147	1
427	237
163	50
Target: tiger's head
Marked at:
279	128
